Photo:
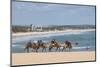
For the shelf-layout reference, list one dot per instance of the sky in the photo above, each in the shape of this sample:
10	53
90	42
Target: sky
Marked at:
26	13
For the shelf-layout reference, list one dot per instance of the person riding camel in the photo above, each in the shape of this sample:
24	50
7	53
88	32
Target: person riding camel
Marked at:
40	43
67	42
53	41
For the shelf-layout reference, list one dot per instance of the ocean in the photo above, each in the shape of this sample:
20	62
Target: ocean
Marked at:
86	41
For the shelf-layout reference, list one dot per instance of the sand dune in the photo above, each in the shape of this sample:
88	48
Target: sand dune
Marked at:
51	57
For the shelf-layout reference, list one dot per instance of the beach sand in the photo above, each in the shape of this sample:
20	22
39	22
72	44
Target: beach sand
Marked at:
51	57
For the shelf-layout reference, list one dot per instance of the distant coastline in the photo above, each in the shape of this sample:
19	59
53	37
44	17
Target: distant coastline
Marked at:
49	32
34	28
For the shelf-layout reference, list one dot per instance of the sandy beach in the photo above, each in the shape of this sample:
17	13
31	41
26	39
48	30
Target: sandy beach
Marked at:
51	57
49	32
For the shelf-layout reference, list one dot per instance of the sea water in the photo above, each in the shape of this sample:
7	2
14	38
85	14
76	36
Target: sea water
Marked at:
85	40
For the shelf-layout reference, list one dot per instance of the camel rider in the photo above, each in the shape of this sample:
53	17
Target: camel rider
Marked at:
40	42
67	42
33	42
53	41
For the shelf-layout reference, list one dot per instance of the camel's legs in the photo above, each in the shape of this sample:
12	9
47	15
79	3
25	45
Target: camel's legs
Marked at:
45	49
32	50
69	49
63	48
50	48
42	49
56	48
28	50
59	49
36	50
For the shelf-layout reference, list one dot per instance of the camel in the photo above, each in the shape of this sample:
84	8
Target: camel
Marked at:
67	45
41	45
54	44
35	46
31	45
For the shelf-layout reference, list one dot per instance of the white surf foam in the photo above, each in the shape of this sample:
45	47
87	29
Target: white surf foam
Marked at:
27	38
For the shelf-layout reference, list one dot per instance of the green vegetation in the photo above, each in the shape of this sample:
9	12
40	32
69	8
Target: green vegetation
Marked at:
30	28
